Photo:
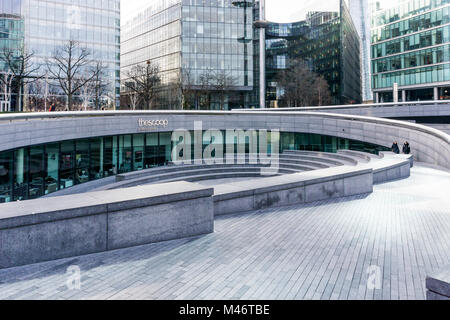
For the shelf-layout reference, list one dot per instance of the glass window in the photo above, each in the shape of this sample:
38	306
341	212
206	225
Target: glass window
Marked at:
6	170
125	154
138	152
96	159
67	164
165	147
52	168
36	188
20	174
151	150
82	161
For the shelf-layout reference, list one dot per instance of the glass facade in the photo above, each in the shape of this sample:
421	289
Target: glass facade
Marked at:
218	36
94	24
11	35
360	12
154	34
411	47
197	38
34	171
11	38
327	41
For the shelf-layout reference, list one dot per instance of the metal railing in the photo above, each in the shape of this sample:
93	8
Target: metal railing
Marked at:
358	106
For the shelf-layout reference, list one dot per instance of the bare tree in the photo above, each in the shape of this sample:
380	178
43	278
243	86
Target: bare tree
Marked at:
6	81
302	87
37	95
205	84
189	94
99	83
143	80
67	66
87	91
22	70
323	95
134	99
222	82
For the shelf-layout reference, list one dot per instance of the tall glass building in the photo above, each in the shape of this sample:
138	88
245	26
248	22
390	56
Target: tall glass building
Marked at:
194	38
49	24
327	40
360	12
411	51
11	38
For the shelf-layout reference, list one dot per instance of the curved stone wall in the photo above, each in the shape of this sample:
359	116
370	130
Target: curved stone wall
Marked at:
428	145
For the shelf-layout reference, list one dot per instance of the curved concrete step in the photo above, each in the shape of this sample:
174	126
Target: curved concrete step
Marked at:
344	159
176	168
315	164
331	160
155	177
361	156
193	176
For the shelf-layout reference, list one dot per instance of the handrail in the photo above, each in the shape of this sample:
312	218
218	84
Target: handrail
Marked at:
356	106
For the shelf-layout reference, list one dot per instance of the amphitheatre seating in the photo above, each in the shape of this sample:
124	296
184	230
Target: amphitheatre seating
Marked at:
154	205
385	168
176	171
361	156
327	156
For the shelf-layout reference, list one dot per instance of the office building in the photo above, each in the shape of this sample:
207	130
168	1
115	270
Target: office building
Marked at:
11	38
411	51
360	13
48	25
193	42
327	41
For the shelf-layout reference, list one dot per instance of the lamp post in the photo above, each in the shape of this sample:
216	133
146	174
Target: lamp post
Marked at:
261	24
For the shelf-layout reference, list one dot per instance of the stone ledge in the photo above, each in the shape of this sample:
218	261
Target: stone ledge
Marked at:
42	210
292	189
438	284
61	227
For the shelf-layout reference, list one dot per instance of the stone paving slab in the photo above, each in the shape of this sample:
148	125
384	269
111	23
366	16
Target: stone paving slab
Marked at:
376	246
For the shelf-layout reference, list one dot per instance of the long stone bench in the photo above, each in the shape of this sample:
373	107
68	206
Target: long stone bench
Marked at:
192	174
292	189
47	229
438	285
360	156
391	167
344	159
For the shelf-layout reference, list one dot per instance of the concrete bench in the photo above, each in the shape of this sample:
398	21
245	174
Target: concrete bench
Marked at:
48	229
344	159
292	189
360	156
177	168
438	285
188	172
317	162
391	167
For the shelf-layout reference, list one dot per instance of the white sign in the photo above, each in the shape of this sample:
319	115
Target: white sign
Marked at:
153	123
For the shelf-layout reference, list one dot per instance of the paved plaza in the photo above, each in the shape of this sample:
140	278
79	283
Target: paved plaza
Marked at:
326	250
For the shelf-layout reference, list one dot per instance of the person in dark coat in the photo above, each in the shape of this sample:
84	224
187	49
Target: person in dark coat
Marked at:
395	148
406	148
